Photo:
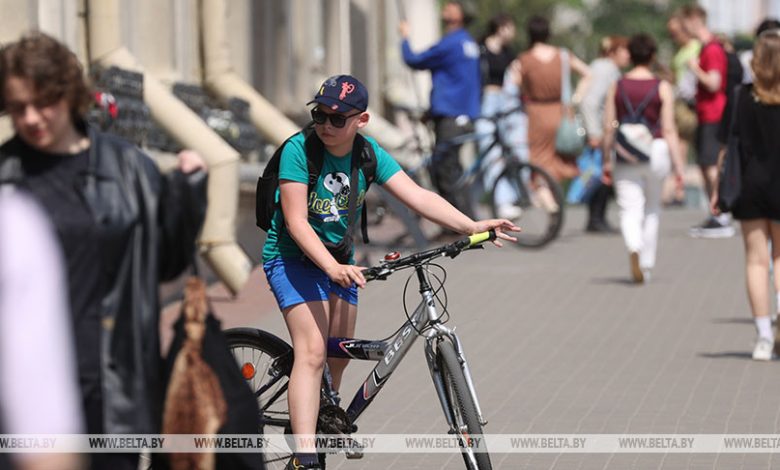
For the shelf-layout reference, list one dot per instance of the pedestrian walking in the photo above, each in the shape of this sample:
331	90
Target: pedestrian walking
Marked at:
316	285
758	206
541	79
455	96
711	70
122	226
604	71
688	48
645	104
500	93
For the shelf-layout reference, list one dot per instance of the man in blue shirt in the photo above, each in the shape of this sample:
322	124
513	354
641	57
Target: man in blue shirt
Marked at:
455	95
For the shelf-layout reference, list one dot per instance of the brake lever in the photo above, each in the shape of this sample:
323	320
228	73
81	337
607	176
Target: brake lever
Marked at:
374	274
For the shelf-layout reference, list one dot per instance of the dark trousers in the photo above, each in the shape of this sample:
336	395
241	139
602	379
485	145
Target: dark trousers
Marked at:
597	206
446	169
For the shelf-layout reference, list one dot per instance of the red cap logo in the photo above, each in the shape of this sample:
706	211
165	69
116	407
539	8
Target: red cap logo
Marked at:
346	88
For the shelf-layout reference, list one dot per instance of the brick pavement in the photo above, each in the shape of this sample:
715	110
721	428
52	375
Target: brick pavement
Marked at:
560	342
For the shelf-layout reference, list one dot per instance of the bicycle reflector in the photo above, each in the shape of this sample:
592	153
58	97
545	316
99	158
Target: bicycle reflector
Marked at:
248	371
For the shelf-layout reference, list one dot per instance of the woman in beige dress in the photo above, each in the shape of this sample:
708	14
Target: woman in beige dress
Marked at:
540	79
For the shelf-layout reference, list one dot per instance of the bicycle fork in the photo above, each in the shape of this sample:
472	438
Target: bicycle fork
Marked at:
440	331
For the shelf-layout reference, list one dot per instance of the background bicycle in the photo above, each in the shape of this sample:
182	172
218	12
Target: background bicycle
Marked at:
499	181
266	362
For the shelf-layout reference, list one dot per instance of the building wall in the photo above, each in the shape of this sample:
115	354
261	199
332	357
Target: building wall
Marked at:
283	48
738	17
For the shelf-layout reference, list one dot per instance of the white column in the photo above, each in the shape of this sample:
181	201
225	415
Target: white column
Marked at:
58	18
337	37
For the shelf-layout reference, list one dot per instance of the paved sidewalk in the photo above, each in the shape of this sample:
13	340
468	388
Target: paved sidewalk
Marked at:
559	341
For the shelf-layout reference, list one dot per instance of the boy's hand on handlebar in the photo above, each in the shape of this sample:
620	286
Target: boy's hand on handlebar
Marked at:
346	274
501	226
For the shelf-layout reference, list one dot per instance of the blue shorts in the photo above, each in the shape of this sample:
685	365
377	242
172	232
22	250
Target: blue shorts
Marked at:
295	281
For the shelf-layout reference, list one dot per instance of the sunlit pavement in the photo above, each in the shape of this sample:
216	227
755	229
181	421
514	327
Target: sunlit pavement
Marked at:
559	341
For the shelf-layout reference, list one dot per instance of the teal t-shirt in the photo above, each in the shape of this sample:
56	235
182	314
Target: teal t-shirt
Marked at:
329	198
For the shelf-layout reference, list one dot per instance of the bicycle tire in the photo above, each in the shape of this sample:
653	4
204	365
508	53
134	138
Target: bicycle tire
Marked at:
541	218
461	406
259	349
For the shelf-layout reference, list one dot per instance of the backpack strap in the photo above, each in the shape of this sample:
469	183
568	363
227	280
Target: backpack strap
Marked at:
368	164
315	155
358	146
637	113
626	102
648	97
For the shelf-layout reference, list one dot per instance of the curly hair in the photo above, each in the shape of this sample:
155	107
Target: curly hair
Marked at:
51	67
766	67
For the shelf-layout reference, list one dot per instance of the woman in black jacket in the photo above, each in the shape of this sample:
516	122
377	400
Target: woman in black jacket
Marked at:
121	230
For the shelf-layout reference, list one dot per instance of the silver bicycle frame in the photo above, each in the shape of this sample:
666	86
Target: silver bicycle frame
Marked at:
390	352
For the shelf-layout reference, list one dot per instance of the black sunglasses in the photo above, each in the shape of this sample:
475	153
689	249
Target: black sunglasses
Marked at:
337	120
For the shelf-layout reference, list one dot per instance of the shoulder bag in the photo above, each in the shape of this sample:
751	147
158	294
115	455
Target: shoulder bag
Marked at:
730	181
570	136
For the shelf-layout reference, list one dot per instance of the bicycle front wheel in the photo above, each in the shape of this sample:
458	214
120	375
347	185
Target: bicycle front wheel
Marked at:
462	409
265	362
529	196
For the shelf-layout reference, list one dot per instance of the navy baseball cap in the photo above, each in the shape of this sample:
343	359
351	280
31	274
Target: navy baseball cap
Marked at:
342	93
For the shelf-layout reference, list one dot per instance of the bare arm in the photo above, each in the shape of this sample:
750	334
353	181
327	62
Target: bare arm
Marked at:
669	128
294	204
584	71
610	123
711	80
434	208
517	71
428	204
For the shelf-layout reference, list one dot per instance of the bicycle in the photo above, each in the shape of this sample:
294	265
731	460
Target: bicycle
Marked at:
266	362
533	198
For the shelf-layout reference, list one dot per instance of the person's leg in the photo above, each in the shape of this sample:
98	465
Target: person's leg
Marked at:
446	169
708	148
631	201
597	209
660	164
774	230
755	233
343	316
679	192
308	326
504	196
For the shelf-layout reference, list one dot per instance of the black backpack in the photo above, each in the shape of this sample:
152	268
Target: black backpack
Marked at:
363	158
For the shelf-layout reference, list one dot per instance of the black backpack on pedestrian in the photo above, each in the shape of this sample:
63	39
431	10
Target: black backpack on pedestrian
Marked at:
363	158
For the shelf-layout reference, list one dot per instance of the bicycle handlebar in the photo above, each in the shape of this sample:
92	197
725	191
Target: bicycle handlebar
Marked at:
452	250
503	114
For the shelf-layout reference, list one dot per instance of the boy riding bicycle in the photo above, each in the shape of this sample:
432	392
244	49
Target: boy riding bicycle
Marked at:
317	293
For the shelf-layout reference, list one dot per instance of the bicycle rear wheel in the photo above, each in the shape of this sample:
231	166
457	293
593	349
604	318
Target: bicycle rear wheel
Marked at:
528	195
462	408
265	362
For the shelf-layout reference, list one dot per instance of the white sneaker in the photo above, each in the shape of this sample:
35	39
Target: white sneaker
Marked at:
509	211
763	349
